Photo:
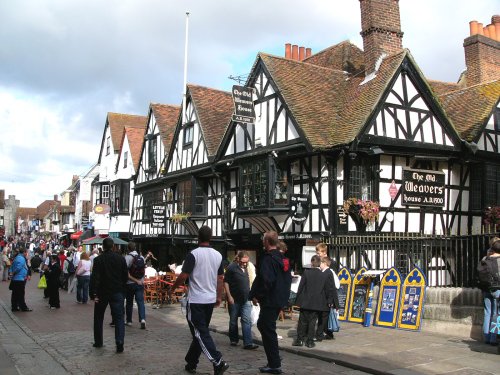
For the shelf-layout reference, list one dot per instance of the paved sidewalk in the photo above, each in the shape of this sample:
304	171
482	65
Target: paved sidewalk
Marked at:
59	342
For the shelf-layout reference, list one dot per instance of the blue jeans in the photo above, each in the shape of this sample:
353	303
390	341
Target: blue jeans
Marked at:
245	311
490	308
115	302
82	288
137	291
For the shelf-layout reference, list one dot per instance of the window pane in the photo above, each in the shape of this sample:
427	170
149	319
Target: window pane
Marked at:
254	184
280	187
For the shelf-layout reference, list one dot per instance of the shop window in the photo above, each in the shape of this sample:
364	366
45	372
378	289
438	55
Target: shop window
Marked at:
361	181
120	196
188	135
476	173
254	181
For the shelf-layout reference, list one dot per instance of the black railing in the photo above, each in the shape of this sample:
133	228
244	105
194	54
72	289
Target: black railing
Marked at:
447	261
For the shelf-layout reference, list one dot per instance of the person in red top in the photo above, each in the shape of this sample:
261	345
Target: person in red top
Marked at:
62	257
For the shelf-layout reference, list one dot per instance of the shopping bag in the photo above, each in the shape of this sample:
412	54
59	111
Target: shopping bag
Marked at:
255	314
495	324
42	284
333	321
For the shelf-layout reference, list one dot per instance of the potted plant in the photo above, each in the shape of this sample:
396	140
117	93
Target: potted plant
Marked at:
179	217
492	217
361	212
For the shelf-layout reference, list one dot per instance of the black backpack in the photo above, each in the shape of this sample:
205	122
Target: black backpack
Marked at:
489	273
138	267
71	267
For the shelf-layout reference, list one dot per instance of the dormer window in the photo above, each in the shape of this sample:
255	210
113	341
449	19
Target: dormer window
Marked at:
188	135
152	154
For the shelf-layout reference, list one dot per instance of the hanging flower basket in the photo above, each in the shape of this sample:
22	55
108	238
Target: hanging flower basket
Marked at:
492	217
362	212
179	217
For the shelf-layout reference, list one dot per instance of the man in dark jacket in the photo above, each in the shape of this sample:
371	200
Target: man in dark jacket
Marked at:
315	295
271	290
108	286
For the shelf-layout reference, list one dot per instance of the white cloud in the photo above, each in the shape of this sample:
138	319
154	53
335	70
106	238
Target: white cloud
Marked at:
65	64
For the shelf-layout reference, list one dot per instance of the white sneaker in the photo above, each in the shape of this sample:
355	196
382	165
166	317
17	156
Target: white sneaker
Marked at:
143	324
128	324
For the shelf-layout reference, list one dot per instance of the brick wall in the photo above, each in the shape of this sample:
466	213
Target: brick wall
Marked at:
380	29
482	58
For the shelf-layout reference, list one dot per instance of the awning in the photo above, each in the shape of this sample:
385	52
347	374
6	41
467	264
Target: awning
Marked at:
76	235
87	234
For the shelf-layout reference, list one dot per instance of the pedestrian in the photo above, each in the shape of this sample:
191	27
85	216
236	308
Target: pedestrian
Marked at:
135	285
83	279
45	267
491	295
36	262
19	276
315	295
108	284
52	273
67	267
204	268
237	287
5	265
322	332
271	290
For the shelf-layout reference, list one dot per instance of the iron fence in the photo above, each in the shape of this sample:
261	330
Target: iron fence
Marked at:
447	260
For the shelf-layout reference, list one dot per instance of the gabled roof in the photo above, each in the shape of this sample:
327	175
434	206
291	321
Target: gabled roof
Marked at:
330	106
440	87
343	56
166	118
116	123
135	138
469	108
26	213
214	109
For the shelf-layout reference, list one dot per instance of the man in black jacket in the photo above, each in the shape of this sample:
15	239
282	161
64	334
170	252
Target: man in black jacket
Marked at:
315	295
271	290
108	286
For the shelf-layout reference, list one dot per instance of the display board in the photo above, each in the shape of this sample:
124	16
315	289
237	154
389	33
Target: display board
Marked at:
412	300
344	292
359	297
388	299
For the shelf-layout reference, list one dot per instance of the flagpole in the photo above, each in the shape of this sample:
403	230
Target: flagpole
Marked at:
185	70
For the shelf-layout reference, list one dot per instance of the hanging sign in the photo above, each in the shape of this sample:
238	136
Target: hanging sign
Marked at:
423	188
158	217
243	104
344	292
299	208
388	299
412	300
102	209
359	297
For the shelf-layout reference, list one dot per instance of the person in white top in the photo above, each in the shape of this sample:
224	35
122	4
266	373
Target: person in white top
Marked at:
83	278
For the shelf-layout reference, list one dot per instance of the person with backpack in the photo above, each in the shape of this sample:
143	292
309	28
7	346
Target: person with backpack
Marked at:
489	282
135	285
68	271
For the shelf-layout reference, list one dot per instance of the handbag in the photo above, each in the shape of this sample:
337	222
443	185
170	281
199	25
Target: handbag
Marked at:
42	284
333	321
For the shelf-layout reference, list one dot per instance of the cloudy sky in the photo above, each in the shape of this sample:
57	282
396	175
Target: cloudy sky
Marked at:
65	64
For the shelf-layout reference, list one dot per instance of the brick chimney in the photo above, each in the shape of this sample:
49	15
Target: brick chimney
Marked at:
380	29
482	53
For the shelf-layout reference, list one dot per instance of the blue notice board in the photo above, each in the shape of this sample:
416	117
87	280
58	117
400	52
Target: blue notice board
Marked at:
388	299
359	297
412	300
344	292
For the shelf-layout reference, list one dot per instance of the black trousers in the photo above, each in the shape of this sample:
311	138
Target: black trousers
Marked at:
267	328
306	328
53	293
17	298
322	323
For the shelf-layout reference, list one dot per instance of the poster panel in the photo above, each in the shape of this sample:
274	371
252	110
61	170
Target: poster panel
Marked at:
344	292
412	300
359	297
388	299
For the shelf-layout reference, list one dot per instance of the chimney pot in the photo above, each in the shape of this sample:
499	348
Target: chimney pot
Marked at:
473	27
492	31
495	20
302	53
486	32
288	51
480	28
309	51
295	52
